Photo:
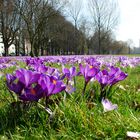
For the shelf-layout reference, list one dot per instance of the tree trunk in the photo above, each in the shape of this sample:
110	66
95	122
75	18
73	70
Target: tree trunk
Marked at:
36	50
31	52
23	44
32	49
99	40
42	50
6	46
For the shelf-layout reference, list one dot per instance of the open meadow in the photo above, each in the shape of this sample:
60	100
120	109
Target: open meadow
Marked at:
69	97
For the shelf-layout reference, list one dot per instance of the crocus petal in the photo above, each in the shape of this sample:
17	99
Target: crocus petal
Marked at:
24	76
88	72
40	68
10	78
133	134
59	86
69	89
65	70
81	69
73	71
50	70
14	86
122	76
63	76
49	110
122	87
108	106
93	71
104	72
31	94
27	77
44	81
113	70
17	88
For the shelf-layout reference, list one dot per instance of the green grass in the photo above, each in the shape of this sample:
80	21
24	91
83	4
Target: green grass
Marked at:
76	118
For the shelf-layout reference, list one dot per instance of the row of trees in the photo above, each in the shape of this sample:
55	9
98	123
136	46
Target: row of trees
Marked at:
44	24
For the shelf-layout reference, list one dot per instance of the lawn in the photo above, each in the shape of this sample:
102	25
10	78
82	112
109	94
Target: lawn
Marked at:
70	116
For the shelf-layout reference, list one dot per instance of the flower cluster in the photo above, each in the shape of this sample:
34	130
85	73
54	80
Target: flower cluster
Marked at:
41	81
111	76
31	85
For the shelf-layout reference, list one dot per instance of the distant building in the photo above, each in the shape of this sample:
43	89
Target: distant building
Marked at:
1	49
136	50
27	46
12	48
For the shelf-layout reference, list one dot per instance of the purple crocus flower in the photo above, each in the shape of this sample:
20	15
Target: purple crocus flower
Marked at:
40	68
111	77
50	70
117	75
31	93
25	84
69	89
69	73
93	62
103	77
107	78
108	106
88	72
31	86
13	85
51	85
27	77
57	74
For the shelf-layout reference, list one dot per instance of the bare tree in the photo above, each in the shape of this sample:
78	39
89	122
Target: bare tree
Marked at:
74	12
35	14
32	14
130	44
84	28
9	23
105	17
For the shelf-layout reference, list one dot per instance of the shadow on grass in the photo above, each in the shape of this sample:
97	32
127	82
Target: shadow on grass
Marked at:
20	114
10	116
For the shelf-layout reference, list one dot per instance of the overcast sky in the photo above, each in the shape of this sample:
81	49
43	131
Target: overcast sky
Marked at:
129	25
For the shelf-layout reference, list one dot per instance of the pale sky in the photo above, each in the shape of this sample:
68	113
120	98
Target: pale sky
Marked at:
129	26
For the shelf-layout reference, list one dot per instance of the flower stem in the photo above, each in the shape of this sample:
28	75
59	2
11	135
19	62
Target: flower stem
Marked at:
85	85
47	100
74	82
102	95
